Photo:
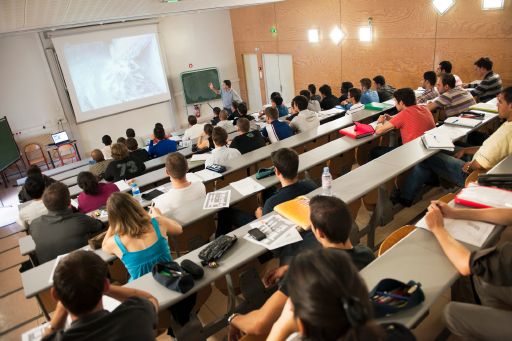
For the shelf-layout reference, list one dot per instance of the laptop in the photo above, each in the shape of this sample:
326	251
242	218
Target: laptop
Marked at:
60	138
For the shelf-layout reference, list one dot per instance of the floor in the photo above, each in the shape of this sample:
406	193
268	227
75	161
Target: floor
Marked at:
18	314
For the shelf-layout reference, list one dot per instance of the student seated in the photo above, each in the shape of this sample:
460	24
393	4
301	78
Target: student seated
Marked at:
205	140
227	94
247	140
234	111
159	126
304	119
345	87
222	153
182	190
130	133
353	103
314	95
331	226
490	269
277	103
121	140
107	141
224	123
95	194
79	282
100	165
489	86
34	187
385	91
215	119
60	230
412	120
429	84
194	130
242	113
452	99
164	146
445	67
328	101
139	153
32	171
328	301
124	166
313	104
367	94
275	130
454	168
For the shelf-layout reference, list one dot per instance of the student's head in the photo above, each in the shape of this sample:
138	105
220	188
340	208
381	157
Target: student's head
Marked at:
159	125
119	151
79	281
330	219
34	186
380	81
286	163
208	129
429	79
33	170
271	114
243	125
325	91
107	140
216	111
306	94
482	66
404	97
130	133
192	120
159	133
366	84
219	136
226	84
97	155
234	106
56	197
445	83
88	183
126	215
505	104
242	109
299	103
121	140
132	144
444	67
354	95
277	101
312	89
345	87
274	94
176	166
223	115
330	299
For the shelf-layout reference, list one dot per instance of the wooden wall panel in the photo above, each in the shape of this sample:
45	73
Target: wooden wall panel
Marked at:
253	23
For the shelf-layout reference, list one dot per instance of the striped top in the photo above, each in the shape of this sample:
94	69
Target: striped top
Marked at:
427	95
488	88
455	101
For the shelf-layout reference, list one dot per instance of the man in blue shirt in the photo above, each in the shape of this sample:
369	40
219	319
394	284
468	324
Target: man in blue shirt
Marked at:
275	130
368	95
227	95
163	146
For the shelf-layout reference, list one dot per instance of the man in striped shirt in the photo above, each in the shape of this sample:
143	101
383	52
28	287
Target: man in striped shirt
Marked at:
429	84
453	99
490	86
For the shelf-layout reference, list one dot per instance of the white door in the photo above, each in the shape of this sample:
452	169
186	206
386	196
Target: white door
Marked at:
278	71
286	77
252	82
271	72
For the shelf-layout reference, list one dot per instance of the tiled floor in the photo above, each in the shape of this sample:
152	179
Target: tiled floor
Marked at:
18	314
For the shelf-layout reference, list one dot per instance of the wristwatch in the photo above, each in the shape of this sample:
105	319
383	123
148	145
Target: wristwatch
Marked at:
232	317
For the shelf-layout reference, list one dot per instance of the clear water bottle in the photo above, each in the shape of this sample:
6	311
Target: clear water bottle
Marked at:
136	192
326	182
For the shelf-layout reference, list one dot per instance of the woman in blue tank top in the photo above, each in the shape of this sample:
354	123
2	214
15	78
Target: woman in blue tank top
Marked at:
137	238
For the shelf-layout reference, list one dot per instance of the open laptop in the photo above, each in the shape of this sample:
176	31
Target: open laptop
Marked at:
60	138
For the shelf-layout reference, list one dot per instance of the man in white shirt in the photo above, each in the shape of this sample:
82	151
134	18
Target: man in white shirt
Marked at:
224	123
182	191
353	103
34	186
107	151
221	153
305	119
195	129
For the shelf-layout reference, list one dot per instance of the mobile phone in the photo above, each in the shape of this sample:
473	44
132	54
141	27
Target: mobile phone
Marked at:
257	234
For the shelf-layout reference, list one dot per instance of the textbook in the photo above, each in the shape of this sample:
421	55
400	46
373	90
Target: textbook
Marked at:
377	106
296	210
358	130
488	107
437	141
463	122
484	197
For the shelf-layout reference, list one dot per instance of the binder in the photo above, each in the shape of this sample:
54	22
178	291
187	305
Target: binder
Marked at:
377	106
358	130
296	210
484	197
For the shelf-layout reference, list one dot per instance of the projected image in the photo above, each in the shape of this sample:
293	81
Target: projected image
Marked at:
121	70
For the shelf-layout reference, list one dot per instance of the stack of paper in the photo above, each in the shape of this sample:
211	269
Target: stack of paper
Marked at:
463	122
488	107
483	196
217	199
434	140
122	185
193	177
279	232
247	186
200	157
207	175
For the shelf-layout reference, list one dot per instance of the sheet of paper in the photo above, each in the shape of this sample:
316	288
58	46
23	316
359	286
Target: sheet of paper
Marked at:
122	185
57	260
217	199
192	177
247	186
74	203
438	139
200	157
279	232
453	132
467	231
207	175
464	122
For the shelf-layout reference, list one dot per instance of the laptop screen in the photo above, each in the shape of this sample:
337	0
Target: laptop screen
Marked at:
60	137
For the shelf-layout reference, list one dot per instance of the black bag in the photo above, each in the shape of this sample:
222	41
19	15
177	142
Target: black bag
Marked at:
216	168
498	180
172	276
152	195
216	249
391	296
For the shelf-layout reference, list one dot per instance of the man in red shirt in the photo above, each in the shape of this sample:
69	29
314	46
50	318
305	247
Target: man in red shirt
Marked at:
412	120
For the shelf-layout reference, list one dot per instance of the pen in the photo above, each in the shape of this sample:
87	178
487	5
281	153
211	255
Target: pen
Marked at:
383	293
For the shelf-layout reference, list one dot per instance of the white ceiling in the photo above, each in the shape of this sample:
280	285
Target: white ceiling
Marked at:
39	15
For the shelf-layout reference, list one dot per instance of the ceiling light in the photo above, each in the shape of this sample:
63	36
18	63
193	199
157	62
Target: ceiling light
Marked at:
336	35
492	4
313	35
365	33
443	5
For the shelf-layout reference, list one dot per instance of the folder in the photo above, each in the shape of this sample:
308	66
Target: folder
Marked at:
358	130
296	210
484	197
377	106
488	107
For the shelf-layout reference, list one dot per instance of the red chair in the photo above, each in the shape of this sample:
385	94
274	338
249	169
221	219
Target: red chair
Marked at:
35	155
67	152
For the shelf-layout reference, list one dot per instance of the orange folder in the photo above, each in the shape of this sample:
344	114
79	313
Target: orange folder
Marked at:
296	210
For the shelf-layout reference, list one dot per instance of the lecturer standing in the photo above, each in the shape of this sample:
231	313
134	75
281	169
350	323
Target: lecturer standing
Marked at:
227	95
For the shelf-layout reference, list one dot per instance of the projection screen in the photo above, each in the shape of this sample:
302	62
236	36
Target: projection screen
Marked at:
111	71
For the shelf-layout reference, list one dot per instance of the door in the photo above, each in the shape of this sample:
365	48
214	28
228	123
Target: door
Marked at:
271	74
278	71
252	82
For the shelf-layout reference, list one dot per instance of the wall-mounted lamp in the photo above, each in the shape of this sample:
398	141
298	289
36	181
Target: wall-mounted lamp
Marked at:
492	4
365	32
442	6
336	35
313	35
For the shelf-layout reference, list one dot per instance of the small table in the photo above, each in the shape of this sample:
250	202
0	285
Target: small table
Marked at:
52	147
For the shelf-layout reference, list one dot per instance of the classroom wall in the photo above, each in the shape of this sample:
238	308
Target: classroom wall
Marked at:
409	39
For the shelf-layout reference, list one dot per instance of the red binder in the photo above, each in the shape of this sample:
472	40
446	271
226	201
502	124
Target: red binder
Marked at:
358	130
484	197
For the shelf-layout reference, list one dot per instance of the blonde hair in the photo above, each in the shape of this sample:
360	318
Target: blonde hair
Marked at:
119	151
126	215
223	115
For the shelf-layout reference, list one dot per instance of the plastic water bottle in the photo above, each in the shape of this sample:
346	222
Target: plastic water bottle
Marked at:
326	182
136	192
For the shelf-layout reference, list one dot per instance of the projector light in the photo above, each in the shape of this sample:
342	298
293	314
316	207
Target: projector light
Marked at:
336	35
365	33
443	5
492	4
313	35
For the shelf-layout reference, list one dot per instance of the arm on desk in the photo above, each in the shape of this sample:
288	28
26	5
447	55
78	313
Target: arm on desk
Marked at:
498	216
166	224
285	325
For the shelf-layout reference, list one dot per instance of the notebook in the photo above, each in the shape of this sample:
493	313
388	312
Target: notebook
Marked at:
437	141
296	210
488	107
463	122
377	106
484	197
358	130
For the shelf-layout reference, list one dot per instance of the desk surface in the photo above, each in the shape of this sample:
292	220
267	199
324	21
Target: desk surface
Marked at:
504	167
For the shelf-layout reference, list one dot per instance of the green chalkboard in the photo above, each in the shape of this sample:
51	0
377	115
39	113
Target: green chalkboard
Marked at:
195	85
9	152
